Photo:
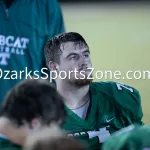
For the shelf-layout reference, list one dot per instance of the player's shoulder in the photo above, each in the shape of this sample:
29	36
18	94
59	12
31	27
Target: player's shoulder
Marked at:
115	87
124	95
51	3
47	4
126	98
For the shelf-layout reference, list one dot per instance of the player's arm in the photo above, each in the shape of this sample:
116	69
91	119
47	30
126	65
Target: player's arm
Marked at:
55	21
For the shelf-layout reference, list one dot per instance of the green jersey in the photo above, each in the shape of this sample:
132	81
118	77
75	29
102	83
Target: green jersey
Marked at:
113	106
24	29
136	139
7	145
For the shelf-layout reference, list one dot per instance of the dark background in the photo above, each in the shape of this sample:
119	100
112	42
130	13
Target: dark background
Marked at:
104	1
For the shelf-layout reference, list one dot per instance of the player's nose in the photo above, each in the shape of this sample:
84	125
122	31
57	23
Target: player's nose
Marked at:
82	62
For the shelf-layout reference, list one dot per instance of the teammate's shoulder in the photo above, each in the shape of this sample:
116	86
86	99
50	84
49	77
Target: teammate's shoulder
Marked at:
6	144
132	139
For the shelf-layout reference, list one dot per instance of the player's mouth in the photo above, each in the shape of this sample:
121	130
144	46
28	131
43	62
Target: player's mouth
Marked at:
83	69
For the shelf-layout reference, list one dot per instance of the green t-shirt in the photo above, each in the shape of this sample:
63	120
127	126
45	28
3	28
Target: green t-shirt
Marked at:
113	106
23	34
136	139
7	145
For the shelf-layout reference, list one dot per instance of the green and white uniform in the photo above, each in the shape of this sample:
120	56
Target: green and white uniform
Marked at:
24	29
6	144
113	106
136	139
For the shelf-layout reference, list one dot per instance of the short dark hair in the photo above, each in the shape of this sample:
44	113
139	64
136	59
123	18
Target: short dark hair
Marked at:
33	98
52	48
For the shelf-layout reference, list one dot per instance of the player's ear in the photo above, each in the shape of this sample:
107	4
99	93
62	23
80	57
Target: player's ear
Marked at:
35	123
52	66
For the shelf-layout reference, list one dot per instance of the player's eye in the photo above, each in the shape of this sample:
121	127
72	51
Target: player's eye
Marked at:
86	55
72	57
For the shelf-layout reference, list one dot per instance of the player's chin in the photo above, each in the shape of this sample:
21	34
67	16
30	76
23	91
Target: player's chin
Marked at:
82	82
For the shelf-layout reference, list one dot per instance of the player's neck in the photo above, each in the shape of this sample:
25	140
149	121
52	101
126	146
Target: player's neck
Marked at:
11	132
74	97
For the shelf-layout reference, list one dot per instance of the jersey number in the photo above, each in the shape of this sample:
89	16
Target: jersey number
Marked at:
121	86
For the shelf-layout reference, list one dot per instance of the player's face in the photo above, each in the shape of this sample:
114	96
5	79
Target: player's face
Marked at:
75	61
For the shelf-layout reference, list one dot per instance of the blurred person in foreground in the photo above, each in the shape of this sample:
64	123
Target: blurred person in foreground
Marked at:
25	26
136	139
52	139
95	109
27	108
